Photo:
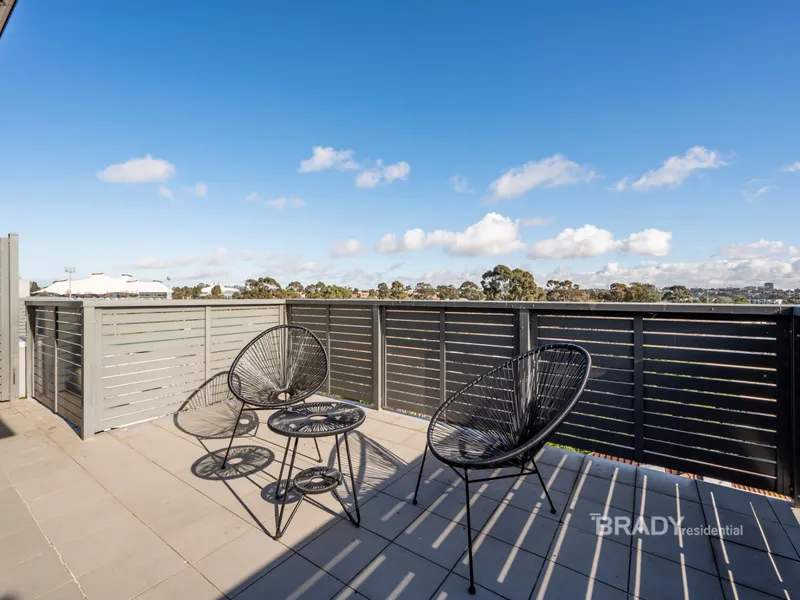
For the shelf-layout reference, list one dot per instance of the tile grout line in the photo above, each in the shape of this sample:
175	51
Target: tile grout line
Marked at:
50	543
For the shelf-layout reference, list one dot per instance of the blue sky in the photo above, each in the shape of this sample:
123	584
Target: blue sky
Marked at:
542	112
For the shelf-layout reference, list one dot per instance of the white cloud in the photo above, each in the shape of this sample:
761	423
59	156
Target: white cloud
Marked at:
151	262
590	241
652	242
324	158
493	235
554	171
280	203
199	189
138	170
219	257
759	249
165	192
252	196
711	273
371	177
750	196
460	185
675	170
791	168
535	221
350	247
575	243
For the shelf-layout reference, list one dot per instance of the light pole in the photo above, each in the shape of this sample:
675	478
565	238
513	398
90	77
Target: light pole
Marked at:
70	271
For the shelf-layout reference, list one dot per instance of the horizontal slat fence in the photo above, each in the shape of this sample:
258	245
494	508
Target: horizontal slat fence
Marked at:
704	389
57	357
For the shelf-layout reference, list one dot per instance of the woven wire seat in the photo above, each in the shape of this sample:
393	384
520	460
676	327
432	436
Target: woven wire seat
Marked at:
504	417
282	366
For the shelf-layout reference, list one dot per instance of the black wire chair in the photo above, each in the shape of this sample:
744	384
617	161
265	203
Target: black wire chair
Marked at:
504	417
282	366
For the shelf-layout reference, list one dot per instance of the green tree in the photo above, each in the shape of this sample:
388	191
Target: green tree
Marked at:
315	290
565	291
643	292
677	293
447	292
496	282
373	293
424	291
469	290
383	291
260	289
337	292
522	286
398	291
34	287
216	291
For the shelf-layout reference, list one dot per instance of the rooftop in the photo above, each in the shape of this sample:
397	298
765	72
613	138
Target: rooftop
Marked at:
142	512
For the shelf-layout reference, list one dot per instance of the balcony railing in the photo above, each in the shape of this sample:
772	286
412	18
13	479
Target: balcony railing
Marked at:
704	389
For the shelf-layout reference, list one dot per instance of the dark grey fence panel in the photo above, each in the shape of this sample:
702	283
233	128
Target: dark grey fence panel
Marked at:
350	335
412	367
604	419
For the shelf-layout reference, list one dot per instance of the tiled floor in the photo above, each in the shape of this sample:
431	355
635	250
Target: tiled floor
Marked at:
145	512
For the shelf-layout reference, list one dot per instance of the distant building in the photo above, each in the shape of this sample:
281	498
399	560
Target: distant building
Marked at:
227	291
100	285
769	286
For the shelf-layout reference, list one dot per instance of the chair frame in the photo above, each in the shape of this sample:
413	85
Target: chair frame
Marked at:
508	459
260	406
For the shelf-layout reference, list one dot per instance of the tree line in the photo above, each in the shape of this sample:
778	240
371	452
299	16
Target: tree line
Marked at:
499	283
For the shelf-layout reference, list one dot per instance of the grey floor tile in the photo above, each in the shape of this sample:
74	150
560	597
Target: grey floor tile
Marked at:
736	591
203	536
34	577
506	570
608	469
456	587
398	574
597	489
129	575
452	506
667	483
528	497
14	515
655	578
22	545
344	550
435	538
528	530
238	564
550	455
586	515
692	550
294	579
746	530
429	489
87	519
758	570
348	593
734	499
783	511
388	516
556	477
67	591
311	521
657	504
186	584
597	557
556	583
794	536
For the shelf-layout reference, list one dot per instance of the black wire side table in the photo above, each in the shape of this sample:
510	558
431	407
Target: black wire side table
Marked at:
315	420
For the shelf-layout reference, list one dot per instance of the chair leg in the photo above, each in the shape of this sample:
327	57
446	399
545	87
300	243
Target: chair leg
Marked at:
278	531
233	435
469	534
552	508
280	475
357	520
421	468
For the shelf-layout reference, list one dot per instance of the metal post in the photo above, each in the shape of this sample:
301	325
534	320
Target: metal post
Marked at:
523	330
377	357
92	371
5	334
787	399
442	356
13	312
638	388
328	345
207	344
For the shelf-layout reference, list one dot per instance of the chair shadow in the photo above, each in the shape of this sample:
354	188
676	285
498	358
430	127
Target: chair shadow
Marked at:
220	409
243	461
